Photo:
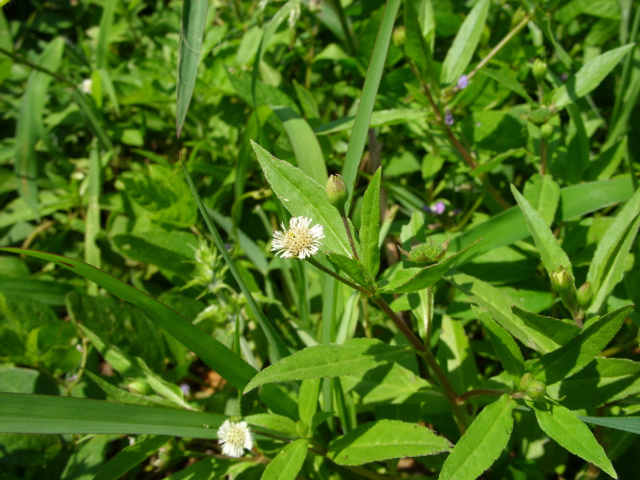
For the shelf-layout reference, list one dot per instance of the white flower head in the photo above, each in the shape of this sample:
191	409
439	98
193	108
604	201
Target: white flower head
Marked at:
234	438
299	241
87	86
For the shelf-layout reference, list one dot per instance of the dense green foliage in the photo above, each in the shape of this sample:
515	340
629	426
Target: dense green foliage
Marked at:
472	302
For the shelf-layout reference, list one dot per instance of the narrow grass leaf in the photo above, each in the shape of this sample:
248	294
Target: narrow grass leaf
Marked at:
302	196
370	225
126	459
581	349
626	424
503	343
92	228
213	353
104	33
306	147
89	113
588	77
194	17
29	123
606	268
279	347
352	357
482	443
22	413
465	43
368	98
287	464
383	440
565	428
553	257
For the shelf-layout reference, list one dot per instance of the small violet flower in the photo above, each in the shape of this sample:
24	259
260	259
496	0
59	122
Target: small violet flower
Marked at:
463	82
448	118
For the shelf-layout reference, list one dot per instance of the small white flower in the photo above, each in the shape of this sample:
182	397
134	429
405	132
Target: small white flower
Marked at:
87	86
299	241
234	438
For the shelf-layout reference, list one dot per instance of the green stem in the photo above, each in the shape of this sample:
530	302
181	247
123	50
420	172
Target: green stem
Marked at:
35	66
406	331
479	392
345	221
450	393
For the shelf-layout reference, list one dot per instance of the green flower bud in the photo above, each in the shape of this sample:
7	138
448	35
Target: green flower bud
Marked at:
561	281
546	131
426	253
399	36
539	69
585	294
140	387
337	192
533	389
540	115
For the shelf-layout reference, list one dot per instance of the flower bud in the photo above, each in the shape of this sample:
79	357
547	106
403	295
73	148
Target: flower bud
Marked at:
533	389
337	192
399	36
561	281
585	293
546	131
426	253
140	387
539	69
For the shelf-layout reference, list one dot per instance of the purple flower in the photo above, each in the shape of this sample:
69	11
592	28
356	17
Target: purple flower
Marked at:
439	208
448	118
185	388
463	82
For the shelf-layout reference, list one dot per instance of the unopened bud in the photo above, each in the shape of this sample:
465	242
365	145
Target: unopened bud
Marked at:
584	296
539	69
337	192
561	281
140	387
399	36
546	131
533	389
426	253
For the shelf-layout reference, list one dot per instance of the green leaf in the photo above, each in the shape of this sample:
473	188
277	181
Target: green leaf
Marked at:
288	462
130	456
413	279
379	118
212	352
504	345
556	330
482	443
29	126
553	257
580	350
465	43
604	380
276	423
321	361
385	439
304	197
455	355
543	194
370	225
565	428
628	424
499	304
194	20
508	81
104	33
51	414
368	98
588	77
304	142
352	267
308	400
607	266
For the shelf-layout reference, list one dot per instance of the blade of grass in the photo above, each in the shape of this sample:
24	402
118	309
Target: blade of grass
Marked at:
194	15
91	249
104	32
367	101
280	349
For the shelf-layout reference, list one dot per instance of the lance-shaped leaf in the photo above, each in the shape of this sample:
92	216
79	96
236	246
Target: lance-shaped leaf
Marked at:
352	357
352	267
413	279
606	268
559	331
126	459
304	197
385	439
370	225
565	428
553	257
628	424
499	304
288	462
588	77
580	350
503	343
465	43
482	443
